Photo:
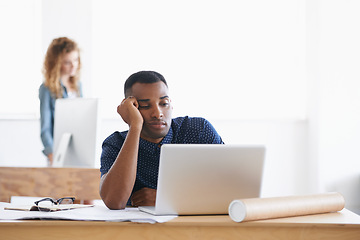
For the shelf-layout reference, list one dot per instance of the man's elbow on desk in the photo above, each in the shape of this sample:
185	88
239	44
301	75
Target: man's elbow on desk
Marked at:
112	202
111	199
115	206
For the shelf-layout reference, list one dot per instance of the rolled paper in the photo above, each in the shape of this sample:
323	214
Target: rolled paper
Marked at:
277	207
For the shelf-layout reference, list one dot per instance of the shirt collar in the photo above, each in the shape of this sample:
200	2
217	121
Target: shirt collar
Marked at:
166	140
64	89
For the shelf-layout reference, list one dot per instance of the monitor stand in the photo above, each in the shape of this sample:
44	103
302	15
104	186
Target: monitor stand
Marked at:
60	154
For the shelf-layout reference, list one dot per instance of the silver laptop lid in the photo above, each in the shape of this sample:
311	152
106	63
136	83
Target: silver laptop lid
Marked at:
204	178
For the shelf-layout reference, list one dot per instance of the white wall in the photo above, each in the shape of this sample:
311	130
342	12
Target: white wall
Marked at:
20	61
223	59
335	101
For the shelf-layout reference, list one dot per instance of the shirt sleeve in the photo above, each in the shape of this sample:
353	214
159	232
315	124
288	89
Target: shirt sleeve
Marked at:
110	149
46	120
209	135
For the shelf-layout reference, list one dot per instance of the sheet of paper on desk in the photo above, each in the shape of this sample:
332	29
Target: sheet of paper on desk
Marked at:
96	213
64	207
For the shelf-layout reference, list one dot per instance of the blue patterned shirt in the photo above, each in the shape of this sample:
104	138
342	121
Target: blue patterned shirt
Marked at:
183	130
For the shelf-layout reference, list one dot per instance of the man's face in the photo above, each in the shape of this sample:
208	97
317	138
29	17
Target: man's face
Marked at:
155	108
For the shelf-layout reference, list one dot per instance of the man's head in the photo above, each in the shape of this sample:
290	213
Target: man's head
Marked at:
142	77
152	94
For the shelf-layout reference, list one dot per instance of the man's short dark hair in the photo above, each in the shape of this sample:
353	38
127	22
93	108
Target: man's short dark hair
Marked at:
142	77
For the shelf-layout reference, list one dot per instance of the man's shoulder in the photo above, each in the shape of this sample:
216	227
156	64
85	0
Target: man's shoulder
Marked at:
180	121
116	138
194	130
188	124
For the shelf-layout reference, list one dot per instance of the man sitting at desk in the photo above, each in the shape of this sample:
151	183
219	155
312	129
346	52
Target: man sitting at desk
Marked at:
130	159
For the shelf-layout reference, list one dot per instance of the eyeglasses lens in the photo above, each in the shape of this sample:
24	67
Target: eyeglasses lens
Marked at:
66	201
45	206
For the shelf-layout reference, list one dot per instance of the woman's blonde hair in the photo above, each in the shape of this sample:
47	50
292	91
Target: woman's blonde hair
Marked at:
52	65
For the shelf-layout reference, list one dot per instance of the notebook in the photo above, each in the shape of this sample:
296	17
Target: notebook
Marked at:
199	179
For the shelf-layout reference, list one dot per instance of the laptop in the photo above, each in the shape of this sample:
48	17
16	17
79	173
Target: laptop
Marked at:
200	179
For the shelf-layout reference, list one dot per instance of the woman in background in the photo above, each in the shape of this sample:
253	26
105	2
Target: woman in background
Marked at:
61	72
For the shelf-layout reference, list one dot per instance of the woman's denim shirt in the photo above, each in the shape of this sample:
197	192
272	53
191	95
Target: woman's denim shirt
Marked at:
47	113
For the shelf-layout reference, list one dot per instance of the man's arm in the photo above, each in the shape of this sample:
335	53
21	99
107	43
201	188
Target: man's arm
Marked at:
116	185
144	197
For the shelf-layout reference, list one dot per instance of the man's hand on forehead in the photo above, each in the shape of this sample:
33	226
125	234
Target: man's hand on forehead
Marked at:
129	112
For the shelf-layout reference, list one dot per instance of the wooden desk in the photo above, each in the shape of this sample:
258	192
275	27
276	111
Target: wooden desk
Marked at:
82	183
342	225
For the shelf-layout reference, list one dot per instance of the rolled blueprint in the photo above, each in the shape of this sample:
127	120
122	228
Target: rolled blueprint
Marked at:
277	207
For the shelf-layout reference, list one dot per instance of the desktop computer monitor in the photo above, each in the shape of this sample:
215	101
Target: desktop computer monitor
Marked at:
75	133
